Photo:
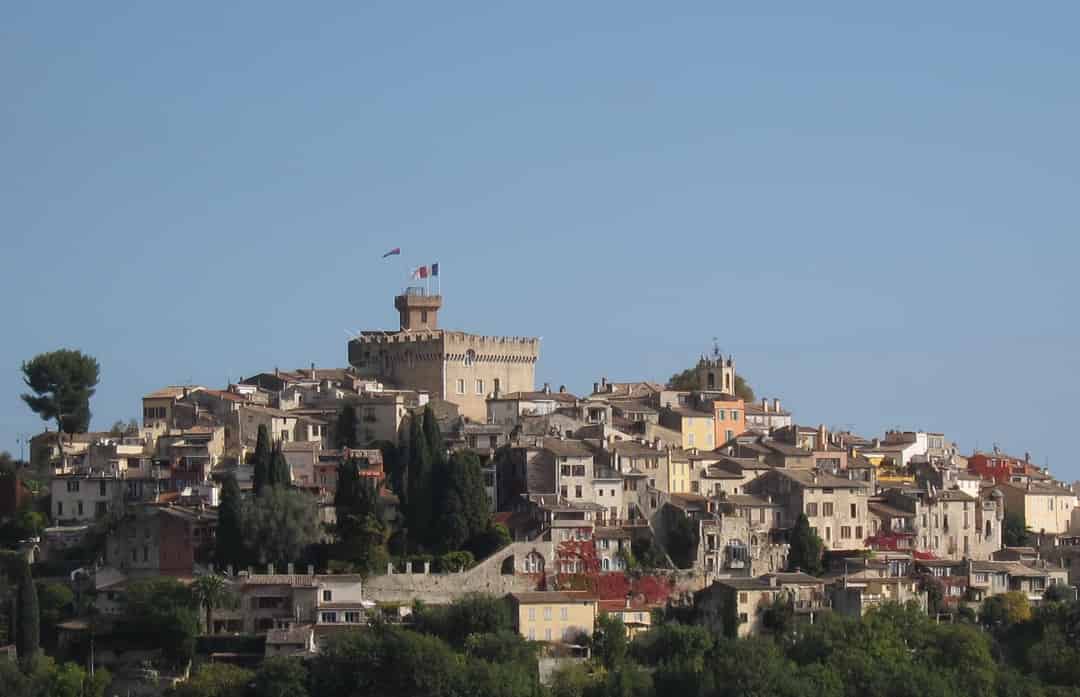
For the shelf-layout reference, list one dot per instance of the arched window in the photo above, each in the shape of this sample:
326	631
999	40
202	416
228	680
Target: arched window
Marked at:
507	566
534	563
727	381
470	358
710	380
604	564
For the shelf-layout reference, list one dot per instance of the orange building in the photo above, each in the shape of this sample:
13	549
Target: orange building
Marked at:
729	418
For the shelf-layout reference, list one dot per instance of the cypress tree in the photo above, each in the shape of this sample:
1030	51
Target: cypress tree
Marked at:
805	547
345	429
278	473
433	437
261	460
229	545
28	630
420	472
462	503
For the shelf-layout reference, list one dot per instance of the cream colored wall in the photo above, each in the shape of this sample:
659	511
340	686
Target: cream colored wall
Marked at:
698	432
1051	513
830	528
546	622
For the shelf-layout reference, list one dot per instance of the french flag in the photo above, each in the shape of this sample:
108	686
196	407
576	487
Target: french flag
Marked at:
393	252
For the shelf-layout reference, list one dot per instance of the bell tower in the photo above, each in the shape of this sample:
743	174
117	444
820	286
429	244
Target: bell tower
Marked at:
716	373
418	310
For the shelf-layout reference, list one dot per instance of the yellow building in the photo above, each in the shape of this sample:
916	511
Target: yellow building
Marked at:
552	615
696	427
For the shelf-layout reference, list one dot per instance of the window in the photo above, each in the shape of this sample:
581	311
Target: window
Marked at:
352	617
690	439
827	509
134	554
532	634
327	596
811	510
547	613
577	491
532	614
734	415
562	491
858	532
742	617
845	532
743	597
600	492
579	470
423	319
59	508
328	618
565	469
101	508
461	386
80	506
73	485
101	489
479	387
497	385
854	510
828	533
470	358
547	634
145	553
728	435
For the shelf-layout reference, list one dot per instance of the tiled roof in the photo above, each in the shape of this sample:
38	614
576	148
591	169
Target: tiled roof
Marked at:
546	597
567	448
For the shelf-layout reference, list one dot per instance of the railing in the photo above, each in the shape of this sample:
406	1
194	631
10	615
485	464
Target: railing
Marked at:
622	523
811	605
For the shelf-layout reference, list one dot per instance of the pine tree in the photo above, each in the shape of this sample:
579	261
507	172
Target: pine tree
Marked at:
229	545
28	630
805	547
345	429
261	460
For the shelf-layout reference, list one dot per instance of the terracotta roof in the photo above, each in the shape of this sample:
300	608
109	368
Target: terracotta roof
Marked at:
814	479
171	392
567	448
536	396
538	597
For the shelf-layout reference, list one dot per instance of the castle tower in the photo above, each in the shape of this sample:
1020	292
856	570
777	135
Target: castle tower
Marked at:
418	310
716	373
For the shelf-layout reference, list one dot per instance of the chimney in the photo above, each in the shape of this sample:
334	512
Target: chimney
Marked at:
822	436
876	443
765	405
776	405
603	382
562	389
1027	457
312	370
547	388
596	388
628	596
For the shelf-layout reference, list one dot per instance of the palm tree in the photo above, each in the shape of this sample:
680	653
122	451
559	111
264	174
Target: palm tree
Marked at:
210	591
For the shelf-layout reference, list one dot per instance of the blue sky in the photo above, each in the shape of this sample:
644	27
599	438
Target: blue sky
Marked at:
873	208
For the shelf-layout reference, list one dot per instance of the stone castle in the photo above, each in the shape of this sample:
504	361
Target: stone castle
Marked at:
455	366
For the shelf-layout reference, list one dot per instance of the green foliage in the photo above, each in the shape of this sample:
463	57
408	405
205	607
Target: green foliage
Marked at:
229	545
162	613
281	677
28	618
806	548
1004	610
361	532
278	473
1058	593
609	642
260	460
462	508
215	680
779	616
647	554
210	592
1015	533
280	524
345	427
682	536
456	622
493	538
452	562
55	603
503	646
935	593
419	494
62	383
43	677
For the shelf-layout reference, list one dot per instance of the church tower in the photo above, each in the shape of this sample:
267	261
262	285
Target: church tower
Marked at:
716	374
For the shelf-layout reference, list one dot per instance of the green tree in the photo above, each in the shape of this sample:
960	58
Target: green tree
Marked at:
346	427
278	473
281	676
805	547
461	502
1004	610
493	538
28	623
260	460
420	498
55	601
280	524
229	546
62	383
162	613
472	614
210	591
682	536
215	680
1015	532
609	642
361	531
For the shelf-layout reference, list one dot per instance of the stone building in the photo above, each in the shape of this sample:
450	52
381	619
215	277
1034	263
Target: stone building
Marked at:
836	507
455	366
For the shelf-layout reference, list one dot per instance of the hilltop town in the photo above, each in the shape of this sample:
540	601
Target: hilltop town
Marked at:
433	471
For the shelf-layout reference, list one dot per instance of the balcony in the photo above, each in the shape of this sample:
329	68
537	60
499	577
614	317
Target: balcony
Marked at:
806	606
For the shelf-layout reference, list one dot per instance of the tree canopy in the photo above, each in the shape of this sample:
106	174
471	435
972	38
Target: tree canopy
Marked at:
61	383
280	524
806	548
